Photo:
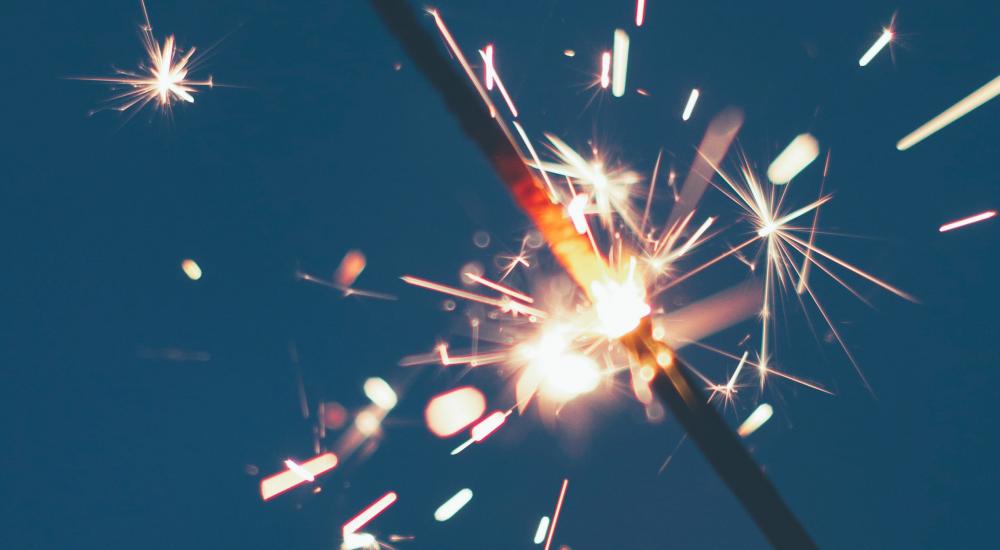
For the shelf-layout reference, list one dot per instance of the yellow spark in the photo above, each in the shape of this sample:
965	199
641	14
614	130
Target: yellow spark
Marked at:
882	41
800	153
990	90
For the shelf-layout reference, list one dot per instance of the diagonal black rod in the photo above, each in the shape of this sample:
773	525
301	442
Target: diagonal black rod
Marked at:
674	384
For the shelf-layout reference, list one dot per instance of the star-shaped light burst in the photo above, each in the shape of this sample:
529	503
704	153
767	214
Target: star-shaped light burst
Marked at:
162	79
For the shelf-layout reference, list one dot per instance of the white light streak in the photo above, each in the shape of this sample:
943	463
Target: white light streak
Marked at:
990	90
800	153
453	505
490	72
369	513
756	419
967	221
689	108
605	70
380	393
543	527
876	47
640	12
620	65
299	470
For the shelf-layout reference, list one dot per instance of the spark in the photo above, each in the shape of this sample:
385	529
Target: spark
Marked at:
967	221
620	305
987	92
451	412
555	515
882	41
505	304
350	268
689	108
162	79
499	287
640	12
575	209
488	425
277	484
369	513
797	155
620	64
569	53
490	72
496	79
605	70
453	505
757	418
191	269
380	393
543	527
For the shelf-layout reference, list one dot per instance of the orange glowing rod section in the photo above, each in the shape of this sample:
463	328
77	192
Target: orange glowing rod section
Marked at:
967	221
369	514
296	475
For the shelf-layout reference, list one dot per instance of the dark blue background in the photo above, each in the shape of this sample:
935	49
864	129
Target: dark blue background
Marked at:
325	147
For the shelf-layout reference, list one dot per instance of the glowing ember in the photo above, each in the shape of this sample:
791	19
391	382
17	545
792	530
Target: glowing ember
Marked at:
640	12
350	268
488	425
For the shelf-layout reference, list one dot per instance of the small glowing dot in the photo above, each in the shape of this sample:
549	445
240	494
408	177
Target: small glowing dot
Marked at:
191	269
367	423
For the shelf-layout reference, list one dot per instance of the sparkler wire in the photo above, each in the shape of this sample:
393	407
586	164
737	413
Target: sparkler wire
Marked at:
674	384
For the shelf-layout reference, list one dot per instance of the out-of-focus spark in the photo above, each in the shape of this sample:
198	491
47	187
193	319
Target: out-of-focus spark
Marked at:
380	393
359	541
882	41
367	422
640	12
299	470
496	79
757	418
276	484
505	304
369	513
990	90
689	108
191	269
450	412
605	69
967	221
543	528
488	64
575	209
800	153
569	53
620	64
555	515
348	291
350	268
453	505
163	78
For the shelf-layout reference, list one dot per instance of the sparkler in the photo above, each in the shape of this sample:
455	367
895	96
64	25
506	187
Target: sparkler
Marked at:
987	92
967	221
162	79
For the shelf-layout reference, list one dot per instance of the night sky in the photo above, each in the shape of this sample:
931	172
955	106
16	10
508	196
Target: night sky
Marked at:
319	146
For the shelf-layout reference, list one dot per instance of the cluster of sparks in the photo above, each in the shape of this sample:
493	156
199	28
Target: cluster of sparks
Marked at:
560	342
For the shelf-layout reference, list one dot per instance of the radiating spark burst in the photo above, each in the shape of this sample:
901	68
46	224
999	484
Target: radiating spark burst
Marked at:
985	93
967	221
162	79
882	42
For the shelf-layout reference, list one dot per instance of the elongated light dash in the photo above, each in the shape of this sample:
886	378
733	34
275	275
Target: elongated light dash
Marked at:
800	153
882	41
543	528
555	516
967	221
689	108
640	12
619	67
990	90
757	418
453	505
296	475
369	513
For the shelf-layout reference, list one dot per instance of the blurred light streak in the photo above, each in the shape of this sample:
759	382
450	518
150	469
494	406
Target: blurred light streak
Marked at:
797	155
967	221
605	69
640	12
543	527
712	149
381	393
757	418
299	470
490	73
499	287
359	541
882	41
276	484
191	269
369	513
555	516
689	108
499	83
990	90
575	209
450	412
488	425
620	64
453	505
569	53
